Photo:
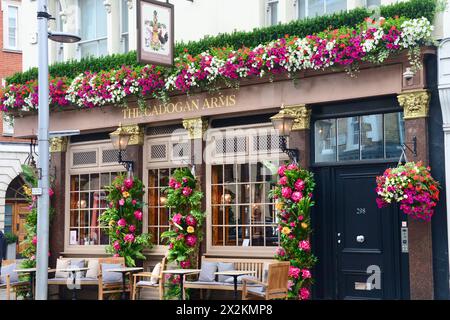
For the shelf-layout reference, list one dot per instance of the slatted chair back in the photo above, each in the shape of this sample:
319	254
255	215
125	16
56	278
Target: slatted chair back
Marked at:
277	280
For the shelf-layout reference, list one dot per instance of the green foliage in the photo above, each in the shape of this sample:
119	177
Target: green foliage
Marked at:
11	238
124	218
186	220
410	9
293	195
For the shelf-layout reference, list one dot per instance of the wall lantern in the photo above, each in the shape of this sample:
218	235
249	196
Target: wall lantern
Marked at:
283	122
119	140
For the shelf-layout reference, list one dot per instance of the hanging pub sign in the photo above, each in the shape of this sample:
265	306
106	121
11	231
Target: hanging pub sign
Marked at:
155	23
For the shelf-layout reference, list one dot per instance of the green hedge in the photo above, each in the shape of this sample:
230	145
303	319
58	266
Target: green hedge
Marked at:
411	9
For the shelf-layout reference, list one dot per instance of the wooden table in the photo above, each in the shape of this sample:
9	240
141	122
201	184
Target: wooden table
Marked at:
124	271
32	272
235	274
74	271
181	273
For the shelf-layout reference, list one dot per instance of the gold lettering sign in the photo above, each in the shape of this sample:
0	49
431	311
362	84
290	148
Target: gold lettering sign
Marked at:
185	107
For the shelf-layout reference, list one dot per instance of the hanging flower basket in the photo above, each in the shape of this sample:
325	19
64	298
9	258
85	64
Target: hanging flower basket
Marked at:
412	186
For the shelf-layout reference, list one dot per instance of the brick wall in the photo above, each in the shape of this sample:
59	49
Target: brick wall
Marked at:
10	63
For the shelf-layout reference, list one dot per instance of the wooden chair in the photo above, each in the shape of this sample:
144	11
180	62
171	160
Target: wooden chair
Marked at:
110	287
12	287
276	286
139	284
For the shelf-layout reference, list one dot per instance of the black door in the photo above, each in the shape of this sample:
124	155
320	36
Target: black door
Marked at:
358	244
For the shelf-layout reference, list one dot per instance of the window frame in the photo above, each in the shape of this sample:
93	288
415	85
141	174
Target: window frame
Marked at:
124	36
95	40
237	250
269	12
6	10
91	169
297	3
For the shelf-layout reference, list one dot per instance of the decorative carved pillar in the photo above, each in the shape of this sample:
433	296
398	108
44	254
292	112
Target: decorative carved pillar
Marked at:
135	148
58	144
112	8
300	134
196	128
415	105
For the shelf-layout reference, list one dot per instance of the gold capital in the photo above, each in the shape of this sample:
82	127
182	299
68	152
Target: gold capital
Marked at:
302	114
58	144
196	127
415	104
137	134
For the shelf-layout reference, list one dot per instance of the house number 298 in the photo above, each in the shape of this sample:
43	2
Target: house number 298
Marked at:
360	210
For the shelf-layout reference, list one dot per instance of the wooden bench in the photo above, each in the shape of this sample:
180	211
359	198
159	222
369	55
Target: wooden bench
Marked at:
103	288
243	264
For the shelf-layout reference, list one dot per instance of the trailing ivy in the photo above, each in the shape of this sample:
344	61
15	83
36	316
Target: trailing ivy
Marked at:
301	28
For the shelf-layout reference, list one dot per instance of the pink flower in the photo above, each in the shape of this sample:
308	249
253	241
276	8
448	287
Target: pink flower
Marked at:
128	183
132	228
177	218
283	180
129	237
185	264
138	215
33	257
290	284
294	272
187	191
172	183
191	240
292	224
111	204
116	255
50	192
281	170
303	294
299	185
296	196
180	237
286	192
306	274
177	185
170	246
191	221
292	166
133	202
121	202
122	222
304	245
34	241
116	245
300	218
281	252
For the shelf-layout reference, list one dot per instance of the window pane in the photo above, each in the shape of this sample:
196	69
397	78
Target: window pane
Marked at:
301	8
87	14
348	139
316	8
273	13
325	140
394	132
124	16
372	137
12	26
100	19
333	6
88	49
370	3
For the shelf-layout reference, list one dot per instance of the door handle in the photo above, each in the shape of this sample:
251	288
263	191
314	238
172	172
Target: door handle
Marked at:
360	238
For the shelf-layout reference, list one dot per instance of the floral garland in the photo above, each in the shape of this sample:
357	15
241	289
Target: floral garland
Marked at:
371	41
412	186
293	195
124	218
184	237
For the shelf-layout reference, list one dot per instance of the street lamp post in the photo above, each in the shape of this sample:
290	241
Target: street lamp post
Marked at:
43	202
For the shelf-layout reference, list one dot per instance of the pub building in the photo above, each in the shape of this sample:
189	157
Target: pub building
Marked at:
347	130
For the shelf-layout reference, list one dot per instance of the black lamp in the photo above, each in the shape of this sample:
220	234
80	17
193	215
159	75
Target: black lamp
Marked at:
283	122
119	140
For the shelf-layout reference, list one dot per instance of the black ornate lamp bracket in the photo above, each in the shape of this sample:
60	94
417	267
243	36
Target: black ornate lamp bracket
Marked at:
411	146
129	165
293	154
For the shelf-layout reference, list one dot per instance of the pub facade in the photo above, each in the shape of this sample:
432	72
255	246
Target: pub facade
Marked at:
347	130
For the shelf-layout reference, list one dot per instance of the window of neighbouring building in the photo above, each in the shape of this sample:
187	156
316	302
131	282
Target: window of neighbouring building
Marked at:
92	167
272	12
11	27
242	170
367	137
373	3
8	218
93	30
313	8
124	26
